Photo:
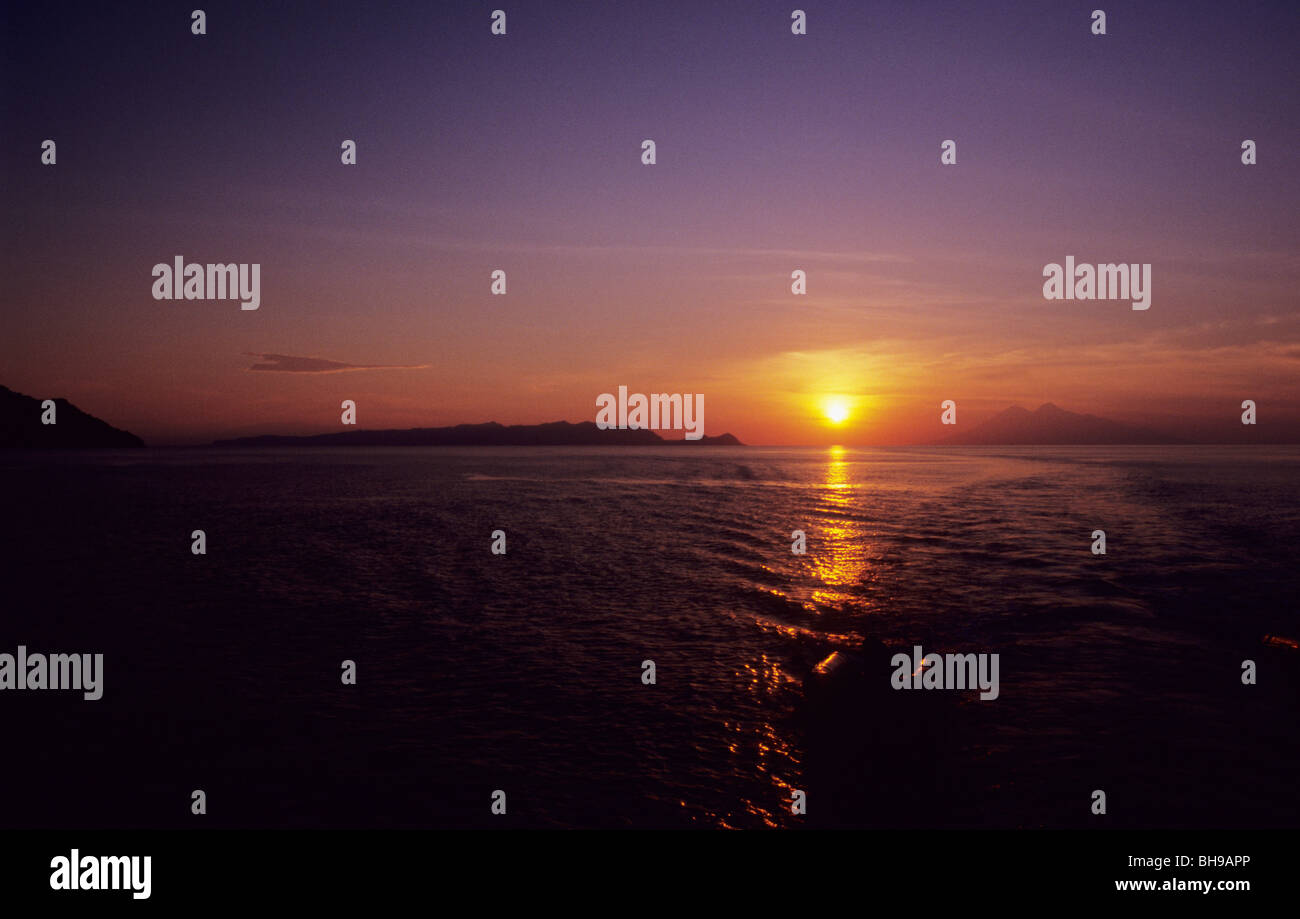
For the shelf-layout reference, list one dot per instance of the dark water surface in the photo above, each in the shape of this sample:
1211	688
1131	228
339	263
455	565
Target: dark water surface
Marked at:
523	672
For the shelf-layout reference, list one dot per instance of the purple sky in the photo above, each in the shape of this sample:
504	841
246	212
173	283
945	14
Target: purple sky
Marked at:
775	152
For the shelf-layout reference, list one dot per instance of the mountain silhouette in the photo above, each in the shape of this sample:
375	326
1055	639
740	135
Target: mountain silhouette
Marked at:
1048	425
20	425
491	434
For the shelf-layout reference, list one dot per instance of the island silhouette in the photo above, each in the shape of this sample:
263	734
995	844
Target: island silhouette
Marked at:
21	425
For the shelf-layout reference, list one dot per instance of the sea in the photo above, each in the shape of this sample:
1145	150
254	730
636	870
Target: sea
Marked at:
1164	673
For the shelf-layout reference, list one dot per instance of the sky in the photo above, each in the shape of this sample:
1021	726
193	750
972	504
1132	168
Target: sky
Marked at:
775	152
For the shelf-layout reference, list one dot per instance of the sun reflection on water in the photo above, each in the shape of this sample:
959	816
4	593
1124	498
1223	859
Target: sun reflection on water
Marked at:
827	579
840	563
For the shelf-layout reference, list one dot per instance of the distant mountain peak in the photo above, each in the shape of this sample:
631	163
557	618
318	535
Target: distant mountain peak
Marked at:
1050	424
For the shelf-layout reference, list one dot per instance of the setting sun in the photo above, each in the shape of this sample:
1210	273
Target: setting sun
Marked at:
837	410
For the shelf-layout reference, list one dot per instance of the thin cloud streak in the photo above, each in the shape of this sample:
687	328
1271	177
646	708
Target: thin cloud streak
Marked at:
289	363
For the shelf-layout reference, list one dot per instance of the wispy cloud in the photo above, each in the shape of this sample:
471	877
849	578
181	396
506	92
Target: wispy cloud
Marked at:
289	363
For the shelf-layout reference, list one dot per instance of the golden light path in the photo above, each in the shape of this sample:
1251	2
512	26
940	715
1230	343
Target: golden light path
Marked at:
831	579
